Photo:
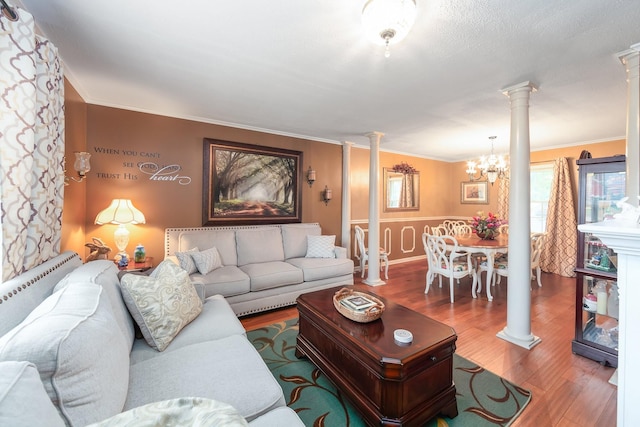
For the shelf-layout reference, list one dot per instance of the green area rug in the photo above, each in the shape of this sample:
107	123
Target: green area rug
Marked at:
484	399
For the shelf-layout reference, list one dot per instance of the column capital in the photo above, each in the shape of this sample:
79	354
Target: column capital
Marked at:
347	143
374	136
528	86
625	55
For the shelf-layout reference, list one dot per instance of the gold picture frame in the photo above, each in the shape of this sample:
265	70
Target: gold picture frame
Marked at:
474	192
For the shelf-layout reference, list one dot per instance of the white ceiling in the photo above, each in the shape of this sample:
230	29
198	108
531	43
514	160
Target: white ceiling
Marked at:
304	68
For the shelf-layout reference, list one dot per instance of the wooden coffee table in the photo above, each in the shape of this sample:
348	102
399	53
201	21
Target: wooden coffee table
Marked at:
391	384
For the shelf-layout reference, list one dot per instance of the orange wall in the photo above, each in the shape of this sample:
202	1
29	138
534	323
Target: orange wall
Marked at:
435	191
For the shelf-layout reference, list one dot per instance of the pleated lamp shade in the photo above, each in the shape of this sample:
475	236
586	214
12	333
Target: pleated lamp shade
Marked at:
120	211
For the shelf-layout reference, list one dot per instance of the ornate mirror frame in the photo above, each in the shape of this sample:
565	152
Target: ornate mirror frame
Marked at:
392	200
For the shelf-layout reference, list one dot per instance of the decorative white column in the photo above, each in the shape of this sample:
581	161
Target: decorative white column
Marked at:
624	238
518	329
631	60
346	195
373	275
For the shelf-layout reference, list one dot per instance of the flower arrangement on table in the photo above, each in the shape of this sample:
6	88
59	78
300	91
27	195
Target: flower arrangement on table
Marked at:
404	168
486	227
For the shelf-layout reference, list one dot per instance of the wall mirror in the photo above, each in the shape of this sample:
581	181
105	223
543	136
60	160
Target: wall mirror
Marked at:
401	191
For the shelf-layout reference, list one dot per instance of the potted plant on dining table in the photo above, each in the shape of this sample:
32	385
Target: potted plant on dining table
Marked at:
486	227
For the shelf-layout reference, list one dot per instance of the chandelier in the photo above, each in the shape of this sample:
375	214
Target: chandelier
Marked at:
388	21
491	167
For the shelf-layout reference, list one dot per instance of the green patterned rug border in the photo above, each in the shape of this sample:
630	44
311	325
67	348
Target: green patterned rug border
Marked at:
484	398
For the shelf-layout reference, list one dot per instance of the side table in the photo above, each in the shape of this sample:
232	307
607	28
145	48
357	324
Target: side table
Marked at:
138	266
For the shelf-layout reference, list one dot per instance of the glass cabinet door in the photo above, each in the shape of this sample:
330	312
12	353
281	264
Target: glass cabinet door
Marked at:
603	190
600	312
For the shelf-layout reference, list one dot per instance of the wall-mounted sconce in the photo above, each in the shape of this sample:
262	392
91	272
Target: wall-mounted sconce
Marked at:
311	176
81	166
326	195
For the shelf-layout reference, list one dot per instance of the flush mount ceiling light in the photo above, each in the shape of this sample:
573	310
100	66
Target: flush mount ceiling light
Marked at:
388	22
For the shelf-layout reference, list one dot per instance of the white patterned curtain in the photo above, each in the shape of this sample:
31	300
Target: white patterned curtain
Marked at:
560	246
406	193
32	149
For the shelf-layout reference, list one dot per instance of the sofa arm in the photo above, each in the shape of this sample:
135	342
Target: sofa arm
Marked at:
340	252
199	285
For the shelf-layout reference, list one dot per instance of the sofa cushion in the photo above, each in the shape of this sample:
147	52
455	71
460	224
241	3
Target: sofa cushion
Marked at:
223	240
185	411
227	281
294	238
207	260
259	245
23	400
266	275
322	268
186	260
217	320
321	247
162	304
229	370
105	273
83	360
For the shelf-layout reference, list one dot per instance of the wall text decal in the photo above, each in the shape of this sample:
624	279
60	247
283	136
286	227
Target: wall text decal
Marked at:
154	171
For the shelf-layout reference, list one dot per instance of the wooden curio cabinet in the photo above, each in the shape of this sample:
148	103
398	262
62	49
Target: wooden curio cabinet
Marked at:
601	185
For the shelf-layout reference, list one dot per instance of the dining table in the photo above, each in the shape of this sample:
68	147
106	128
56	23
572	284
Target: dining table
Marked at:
489	248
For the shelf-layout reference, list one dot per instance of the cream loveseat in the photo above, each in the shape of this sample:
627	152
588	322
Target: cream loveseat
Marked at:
69	353
260	267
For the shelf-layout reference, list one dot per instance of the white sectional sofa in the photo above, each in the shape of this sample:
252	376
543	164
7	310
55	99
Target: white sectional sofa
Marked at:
262	267
69	353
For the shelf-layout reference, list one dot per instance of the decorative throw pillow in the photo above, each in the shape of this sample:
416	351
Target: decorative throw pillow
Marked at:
321	246
81	354
207	261
184	411
162	304
186	261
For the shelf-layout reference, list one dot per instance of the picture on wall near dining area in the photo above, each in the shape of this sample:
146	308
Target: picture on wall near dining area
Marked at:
474	192
250	184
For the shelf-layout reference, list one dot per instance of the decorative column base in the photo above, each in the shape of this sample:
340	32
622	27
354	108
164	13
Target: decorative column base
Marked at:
377	282
527	343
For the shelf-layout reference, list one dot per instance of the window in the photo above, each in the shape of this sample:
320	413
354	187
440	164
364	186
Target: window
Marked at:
541	181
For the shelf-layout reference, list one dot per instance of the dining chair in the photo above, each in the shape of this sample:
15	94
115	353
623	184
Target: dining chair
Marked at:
451	224
537	243
501	264
463	230
439	230
444	258
364	253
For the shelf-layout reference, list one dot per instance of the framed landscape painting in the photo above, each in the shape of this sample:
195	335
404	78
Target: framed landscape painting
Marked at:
475	192
250	184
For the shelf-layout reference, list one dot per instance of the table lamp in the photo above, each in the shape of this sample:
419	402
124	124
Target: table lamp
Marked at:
121	212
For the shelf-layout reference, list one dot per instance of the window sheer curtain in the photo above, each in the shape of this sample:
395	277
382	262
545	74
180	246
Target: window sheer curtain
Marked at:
32	150
560	247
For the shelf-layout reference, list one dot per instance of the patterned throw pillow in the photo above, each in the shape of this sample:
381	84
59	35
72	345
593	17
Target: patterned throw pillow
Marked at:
184	411
207	261
186	261
162	304
321	246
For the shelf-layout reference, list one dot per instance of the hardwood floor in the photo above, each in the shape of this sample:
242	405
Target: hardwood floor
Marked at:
568	390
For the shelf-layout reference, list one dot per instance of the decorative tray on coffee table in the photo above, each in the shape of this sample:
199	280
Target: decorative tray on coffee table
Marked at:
358	306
